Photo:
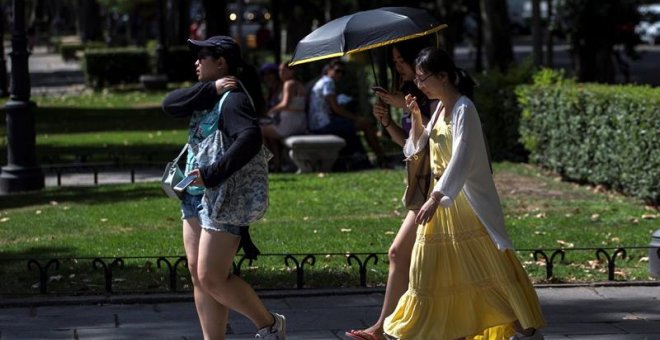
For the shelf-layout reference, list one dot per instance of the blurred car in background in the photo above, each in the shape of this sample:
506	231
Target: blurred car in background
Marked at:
648	28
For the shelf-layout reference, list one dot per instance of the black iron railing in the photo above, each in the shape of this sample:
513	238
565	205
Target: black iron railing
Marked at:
173	269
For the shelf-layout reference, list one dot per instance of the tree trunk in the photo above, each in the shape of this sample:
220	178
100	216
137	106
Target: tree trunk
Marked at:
277	30
537	33
184	22
497	37
479	42
549	46
451	14
89	20
216	19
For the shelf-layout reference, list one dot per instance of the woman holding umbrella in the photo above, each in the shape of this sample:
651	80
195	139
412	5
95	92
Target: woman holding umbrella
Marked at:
403	65
465	279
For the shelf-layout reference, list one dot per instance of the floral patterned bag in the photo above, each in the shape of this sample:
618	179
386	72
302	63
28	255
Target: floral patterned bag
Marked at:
243	197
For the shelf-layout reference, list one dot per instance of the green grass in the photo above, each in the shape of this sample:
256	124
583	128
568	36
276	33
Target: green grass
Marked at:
311	213
332	213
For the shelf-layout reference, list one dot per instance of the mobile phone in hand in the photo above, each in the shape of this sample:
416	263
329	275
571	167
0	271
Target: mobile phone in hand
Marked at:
185	182
378	89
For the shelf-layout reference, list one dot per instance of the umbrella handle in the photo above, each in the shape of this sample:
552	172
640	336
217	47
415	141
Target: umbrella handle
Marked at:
373	68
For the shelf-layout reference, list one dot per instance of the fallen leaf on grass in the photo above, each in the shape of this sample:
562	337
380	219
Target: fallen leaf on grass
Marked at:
389	233
595	217
345	230
54	203
621	273
649	216
4	219
644	259
55	278
593	264
566	244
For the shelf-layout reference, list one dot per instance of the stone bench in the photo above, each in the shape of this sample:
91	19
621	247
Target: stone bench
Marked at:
314	153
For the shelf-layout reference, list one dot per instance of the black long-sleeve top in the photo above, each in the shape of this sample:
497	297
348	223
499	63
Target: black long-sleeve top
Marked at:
238	120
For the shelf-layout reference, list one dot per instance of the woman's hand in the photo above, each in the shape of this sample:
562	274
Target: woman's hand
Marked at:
381	113
395	99
225	84
436	200
198	180
411	104
426	211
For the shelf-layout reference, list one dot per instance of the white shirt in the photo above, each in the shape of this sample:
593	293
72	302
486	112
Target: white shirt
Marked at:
319	110
468	169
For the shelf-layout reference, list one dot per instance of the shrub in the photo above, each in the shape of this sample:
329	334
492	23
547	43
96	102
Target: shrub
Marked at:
593	133
495	99
115	65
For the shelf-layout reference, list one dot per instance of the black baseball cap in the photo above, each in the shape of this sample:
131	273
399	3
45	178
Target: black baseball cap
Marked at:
224	45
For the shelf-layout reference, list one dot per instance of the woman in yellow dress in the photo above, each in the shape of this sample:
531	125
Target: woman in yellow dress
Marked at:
465	278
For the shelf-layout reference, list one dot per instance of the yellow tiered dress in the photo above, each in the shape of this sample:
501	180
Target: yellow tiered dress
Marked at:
461	285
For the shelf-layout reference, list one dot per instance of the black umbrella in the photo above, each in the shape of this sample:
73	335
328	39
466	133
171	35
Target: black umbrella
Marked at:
364	30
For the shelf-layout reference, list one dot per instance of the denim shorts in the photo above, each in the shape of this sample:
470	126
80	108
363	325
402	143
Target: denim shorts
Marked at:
191	207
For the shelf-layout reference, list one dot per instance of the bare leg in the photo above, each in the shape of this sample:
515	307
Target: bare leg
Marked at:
397	279
212	315
216	253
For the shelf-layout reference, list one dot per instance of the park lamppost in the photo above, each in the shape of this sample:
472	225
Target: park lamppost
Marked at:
3	62
158	80
22	173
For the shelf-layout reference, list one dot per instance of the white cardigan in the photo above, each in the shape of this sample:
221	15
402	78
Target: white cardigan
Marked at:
468	169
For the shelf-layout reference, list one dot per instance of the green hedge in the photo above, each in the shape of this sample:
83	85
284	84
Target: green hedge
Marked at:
591	133
498	108
115	66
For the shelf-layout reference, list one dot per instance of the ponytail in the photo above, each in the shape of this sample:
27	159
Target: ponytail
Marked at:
464	82
247	74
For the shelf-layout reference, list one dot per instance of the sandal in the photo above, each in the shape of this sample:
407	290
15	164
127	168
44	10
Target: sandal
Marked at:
361	335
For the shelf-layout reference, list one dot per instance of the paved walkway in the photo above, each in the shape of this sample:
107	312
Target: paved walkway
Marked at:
603	313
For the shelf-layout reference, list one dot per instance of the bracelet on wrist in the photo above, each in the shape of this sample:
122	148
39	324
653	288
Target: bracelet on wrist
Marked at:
388	124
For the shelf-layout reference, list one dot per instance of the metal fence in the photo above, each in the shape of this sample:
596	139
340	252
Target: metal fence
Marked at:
170	273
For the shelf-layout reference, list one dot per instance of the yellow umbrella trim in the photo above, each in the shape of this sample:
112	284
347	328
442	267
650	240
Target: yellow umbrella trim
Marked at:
368	47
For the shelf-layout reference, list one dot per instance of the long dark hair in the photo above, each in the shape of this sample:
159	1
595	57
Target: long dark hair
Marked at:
434	60
408	50
248	75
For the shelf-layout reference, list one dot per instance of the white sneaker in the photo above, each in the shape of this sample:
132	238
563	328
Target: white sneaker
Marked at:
537	335
275	332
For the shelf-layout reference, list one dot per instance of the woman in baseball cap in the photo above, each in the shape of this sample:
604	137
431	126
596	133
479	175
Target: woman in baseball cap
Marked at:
230	163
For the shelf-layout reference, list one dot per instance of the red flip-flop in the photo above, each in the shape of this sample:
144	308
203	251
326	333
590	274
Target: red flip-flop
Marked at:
361	335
